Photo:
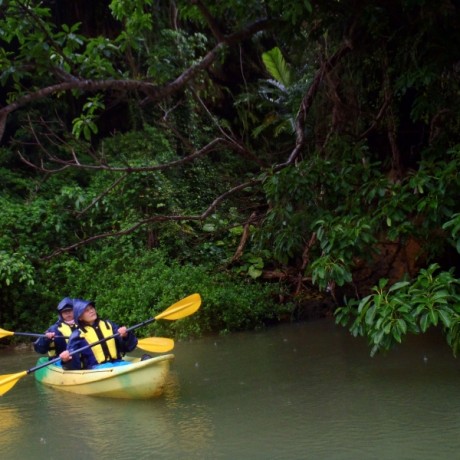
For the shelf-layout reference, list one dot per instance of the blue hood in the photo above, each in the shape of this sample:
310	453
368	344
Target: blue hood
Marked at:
79	306
65	302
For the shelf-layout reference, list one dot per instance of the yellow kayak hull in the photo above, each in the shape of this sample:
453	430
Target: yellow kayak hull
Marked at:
138	380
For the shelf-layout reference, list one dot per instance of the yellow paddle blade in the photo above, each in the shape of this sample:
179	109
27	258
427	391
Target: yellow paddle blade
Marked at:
4	333
181	309
156	344
9	381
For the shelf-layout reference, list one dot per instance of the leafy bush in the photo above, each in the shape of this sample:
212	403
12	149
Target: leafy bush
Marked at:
130	288
386	316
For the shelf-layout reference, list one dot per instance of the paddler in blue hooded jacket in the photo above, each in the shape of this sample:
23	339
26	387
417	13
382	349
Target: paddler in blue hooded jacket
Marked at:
55	339
91	329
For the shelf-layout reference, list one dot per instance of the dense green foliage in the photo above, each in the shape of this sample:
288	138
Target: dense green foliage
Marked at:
248	151
389	313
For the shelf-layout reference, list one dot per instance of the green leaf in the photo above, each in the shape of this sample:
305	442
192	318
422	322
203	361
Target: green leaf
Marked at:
434	317
209	227
363	303
424	322
254	272
402	325
396	334
445	318
370	314
277	67
399	285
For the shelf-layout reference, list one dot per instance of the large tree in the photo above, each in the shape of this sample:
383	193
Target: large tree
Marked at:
325	132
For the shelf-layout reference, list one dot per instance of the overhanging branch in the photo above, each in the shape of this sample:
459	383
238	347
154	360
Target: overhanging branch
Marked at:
157	218
153	92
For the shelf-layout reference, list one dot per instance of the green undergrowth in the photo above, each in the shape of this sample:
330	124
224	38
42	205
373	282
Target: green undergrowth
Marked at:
131	289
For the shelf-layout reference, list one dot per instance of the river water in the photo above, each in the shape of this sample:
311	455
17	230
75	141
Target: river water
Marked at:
298	391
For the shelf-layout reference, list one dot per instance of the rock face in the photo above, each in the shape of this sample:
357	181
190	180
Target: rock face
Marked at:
393	260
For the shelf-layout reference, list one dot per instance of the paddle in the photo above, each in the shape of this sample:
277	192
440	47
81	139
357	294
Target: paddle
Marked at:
4	333
156	344
181	309
152	344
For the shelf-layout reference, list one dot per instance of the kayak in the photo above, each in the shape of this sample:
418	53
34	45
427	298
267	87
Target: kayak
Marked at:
136	380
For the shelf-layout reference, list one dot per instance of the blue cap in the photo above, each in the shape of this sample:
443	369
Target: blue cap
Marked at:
65	304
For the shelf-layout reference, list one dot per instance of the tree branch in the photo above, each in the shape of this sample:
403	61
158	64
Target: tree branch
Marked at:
112	186
212	23
157	218
75	163
307	101
153	92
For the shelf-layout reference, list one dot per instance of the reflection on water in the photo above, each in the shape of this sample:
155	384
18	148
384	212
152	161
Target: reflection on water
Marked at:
133	429
303	391
10	425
